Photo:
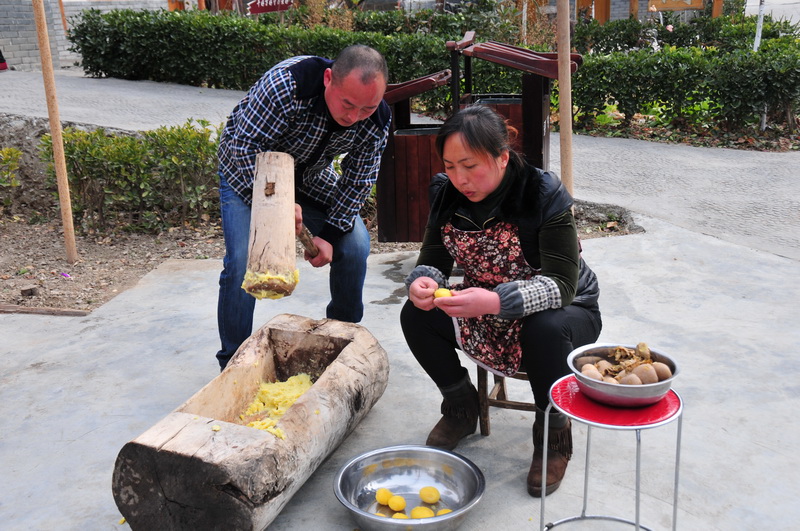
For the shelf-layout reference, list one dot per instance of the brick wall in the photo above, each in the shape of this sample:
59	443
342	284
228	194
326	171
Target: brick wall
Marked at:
19	41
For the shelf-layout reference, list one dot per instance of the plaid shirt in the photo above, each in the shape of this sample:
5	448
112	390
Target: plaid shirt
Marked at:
286	111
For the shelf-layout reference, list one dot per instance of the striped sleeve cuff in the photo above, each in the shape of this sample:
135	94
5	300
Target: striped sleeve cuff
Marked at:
426	271
525	297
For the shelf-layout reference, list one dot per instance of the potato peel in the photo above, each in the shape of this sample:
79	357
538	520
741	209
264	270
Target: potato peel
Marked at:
626	361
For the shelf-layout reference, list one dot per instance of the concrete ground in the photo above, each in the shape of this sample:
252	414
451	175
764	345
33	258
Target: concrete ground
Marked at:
712	281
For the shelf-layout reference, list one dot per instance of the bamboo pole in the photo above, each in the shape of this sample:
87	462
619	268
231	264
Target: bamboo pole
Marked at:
63	15
55	130
564	92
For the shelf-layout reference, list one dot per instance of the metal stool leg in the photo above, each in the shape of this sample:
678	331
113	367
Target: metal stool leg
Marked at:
586	471
677	474
638	474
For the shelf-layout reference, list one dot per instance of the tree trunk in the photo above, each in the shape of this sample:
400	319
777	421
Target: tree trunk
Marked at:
199	468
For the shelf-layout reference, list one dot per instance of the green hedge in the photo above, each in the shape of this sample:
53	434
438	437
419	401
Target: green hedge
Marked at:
703	71
232	52
492	19
228	51
691	85
725	34
9	174
160	178
9	167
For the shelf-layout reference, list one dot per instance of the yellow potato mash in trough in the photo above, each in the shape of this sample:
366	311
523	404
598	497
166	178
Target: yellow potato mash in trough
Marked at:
272	400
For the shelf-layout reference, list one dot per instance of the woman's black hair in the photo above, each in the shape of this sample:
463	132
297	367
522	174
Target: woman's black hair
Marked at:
483	130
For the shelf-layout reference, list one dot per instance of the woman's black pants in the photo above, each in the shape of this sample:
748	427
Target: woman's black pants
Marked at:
547	339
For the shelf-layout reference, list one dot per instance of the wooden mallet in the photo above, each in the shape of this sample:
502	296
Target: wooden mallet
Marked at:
271	267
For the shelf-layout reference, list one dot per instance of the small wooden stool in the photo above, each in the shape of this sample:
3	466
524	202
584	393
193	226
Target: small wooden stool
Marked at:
497	397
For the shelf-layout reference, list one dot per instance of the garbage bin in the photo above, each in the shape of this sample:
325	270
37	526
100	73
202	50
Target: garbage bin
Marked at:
508	106
409	161
529	111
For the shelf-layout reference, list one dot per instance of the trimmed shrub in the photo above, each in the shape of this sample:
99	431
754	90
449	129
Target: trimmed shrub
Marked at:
151	181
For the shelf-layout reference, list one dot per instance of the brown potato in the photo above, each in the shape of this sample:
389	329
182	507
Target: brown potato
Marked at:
590	371
646	373
603	366
610	379
662	370
630	379
584	360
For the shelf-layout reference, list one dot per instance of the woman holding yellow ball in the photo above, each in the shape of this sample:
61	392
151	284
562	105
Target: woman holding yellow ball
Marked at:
527	298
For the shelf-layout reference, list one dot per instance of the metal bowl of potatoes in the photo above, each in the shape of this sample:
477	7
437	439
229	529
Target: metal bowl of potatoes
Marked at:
405	471
622	394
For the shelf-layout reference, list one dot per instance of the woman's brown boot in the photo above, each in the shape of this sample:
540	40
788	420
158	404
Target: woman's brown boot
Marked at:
559	452
459	415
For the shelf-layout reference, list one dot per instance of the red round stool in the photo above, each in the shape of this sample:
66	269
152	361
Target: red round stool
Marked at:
567	398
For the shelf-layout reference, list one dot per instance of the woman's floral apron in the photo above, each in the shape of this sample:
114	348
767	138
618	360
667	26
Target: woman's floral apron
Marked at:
489	257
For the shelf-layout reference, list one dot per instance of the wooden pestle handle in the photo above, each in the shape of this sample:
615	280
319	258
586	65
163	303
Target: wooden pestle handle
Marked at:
305	238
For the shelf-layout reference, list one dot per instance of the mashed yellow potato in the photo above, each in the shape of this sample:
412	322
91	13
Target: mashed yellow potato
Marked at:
254	284
273	399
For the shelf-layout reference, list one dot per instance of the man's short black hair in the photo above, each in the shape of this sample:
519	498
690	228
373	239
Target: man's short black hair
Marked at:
364	58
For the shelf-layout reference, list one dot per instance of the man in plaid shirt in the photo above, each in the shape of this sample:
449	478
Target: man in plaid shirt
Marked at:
314	109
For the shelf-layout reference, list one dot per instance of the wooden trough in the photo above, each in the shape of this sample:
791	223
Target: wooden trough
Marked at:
199	469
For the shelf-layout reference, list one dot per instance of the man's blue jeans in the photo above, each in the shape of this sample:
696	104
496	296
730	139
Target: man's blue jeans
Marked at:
235	306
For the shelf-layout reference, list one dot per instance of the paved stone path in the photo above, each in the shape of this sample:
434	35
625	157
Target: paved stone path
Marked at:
745	197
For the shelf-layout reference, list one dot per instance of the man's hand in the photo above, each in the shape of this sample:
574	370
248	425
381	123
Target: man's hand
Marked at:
298	219
325	253
470	302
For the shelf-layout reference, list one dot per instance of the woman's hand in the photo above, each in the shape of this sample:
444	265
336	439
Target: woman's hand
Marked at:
420	292
470	302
